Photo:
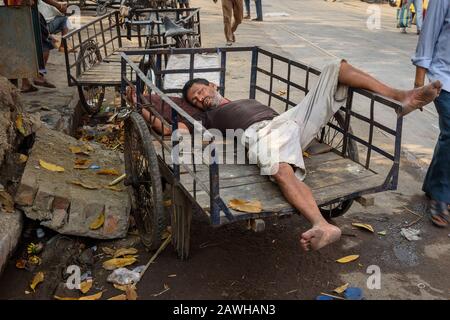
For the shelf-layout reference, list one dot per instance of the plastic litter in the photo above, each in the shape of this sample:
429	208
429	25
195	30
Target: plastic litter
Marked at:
411	234
94	167
124	276
40	233
353	293
322	297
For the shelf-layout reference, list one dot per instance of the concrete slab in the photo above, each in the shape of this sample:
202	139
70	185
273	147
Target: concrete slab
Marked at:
68	208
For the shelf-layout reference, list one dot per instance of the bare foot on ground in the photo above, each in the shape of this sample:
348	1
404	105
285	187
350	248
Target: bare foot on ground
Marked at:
319	236
419	97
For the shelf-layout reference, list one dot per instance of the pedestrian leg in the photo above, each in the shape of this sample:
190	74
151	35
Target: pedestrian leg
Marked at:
227	10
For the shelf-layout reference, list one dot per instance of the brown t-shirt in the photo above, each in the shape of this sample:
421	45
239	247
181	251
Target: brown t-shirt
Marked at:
239	114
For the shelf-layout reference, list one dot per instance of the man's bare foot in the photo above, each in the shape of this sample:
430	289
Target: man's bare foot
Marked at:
419	97
319	236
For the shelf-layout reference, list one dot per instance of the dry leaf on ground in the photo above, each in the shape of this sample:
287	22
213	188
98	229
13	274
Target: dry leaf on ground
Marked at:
119	297
81	162
108	251
64	298
92	297
6	201
341	288
21	263
85	185
245	205
124	251
22	158
50	166
38	278
108	172
348	258
131	293
115	263
382	233
19	124
363	226
85	286
81	167
98	222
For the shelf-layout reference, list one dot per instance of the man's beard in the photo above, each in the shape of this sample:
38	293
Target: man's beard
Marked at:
216	100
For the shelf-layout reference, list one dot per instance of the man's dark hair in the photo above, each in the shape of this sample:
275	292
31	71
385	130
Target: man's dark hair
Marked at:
190	83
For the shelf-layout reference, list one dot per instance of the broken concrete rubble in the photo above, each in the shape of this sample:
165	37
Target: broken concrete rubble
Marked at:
68	208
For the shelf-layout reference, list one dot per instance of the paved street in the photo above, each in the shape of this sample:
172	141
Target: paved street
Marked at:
234	263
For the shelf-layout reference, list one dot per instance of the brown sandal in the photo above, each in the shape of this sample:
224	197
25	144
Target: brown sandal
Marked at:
439	215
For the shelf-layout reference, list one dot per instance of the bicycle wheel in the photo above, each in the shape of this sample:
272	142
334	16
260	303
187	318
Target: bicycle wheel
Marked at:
144	181
335	139
91	96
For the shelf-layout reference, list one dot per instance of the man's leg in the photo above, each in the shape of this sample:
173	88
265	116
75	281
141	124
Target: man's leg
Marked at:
418	5
227	10
259	14
300	196
247	9
410	99
437	180
238	14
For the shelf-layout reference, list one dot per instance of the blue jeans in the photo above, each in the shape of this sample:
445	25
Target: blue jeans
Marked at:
258	4
418	6
437	181
57	24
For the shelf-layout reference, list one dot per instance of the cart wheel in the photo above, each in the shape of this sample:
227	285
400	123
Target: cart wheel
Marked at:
144	181
101	9
91	97
181	223
335	139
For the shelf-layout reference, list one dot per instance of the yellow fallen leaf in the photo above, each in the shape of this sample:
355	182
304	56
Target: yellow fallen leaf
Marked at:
131	293
89	147
281	92
85	286
81	162
98	222
89	186
348	258
78	150
341	288
306	154
22	158
120	287
108	251
364	226
119	297
19	124
92	297
34	260
382	233
115	263
81	167
50	166
108	172
38	278
124	251
245	205
64	298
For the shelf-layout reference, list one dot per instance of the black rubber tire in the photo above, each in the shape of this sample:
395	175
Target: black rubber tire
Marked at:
144	179
339	209
91	97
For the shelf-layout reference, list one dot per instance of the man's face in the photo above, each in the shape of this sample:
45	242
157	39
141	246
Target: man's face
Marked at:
203	96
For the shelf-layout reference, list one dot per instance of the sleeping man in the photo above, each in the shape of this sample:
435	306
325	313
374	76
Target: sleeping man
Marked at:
287	135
